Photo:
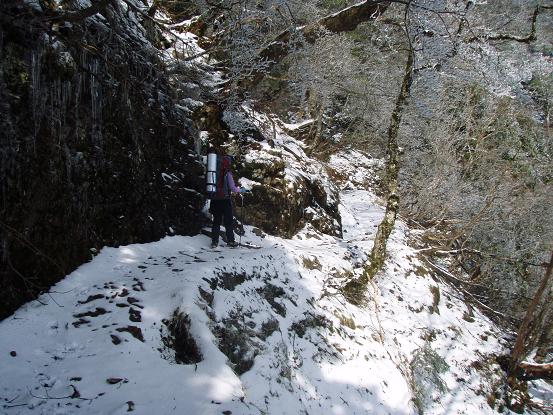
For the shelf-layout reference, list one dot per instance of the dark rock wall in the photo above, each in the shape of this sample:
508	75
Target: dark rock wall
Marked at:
280	207
87	127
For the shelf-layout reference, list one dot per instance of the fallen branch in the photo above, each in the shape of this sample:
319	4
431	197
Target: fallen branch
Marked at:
75	395
457	282
27	243
536	370
439	251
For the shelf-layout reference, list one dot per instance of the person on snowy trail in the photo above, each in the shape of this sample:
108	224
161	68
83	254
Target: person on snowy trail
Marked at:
221	207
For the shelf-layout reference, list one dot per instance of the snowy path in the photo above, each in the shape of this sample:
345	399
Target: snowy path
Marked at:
96	346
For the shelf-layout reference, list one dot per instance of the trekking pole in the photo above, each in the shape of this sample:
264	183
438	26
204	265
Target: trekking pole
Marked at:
241	219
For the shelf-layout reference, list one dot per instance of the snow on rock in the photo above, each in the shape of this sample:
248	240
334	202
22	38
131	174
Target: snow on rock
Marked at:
266	331
291	189
354	169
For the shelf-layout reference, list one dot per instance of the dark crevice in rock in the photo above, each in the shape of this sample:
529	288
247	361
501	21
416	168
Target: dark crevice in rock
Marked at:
178	343
271	292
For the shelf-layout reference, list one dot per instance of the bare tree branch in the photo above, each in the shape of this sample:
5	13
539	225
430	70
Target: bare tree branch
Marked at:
95	8
342	21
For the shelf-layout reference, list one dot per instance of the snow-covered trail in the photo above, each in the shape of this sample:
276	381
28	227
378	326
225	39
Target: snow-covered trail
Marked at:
103	323
274	315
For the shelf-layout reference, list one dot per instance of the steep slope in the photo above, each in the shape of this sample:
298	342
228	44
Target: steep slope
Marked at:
173	327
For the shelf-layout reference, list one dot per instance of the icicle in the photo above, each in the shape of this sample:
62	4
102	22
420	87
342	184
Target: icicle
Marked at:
68	162
93	91
78	89
77	102
35	90
55	110
66	99
96	100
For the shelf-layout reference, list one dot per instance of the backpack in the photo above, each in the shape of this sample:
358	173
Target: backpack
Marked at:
216	178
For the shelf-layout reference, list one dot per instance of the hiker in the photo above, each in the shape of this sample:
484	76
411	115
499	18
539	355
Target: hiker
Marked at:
221	207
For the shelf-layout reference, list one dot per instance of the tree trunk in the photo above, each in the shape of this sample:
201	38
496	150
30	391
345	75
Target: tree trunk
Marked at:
524	329
378	253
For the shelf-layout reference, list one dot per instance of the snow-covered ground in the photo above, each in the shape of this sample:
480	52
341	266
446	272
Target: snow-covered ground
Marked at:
274	333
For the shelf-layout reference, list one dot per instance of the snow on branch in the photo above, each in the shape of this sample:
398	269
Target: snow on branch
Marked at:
95	8
537	370
342	21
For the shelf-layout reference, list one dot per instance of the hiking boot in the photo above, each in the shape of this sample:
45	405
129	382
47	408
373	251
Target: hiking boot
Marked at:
232	244
214	244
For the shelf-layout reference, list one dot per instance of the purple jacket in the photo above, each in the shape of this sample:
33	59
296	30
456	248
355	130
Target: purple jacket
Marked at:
230	182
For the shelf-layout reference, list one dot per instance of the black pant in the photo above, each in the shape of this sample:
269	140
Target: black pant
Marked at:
221	209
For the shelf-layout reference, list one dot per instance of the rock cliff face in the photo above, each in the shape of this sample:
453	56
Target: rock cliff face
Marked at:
290	189
93	149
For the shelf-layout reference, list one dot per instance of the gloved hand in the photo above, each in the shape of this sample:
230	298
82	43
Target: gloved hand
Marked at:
244	190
